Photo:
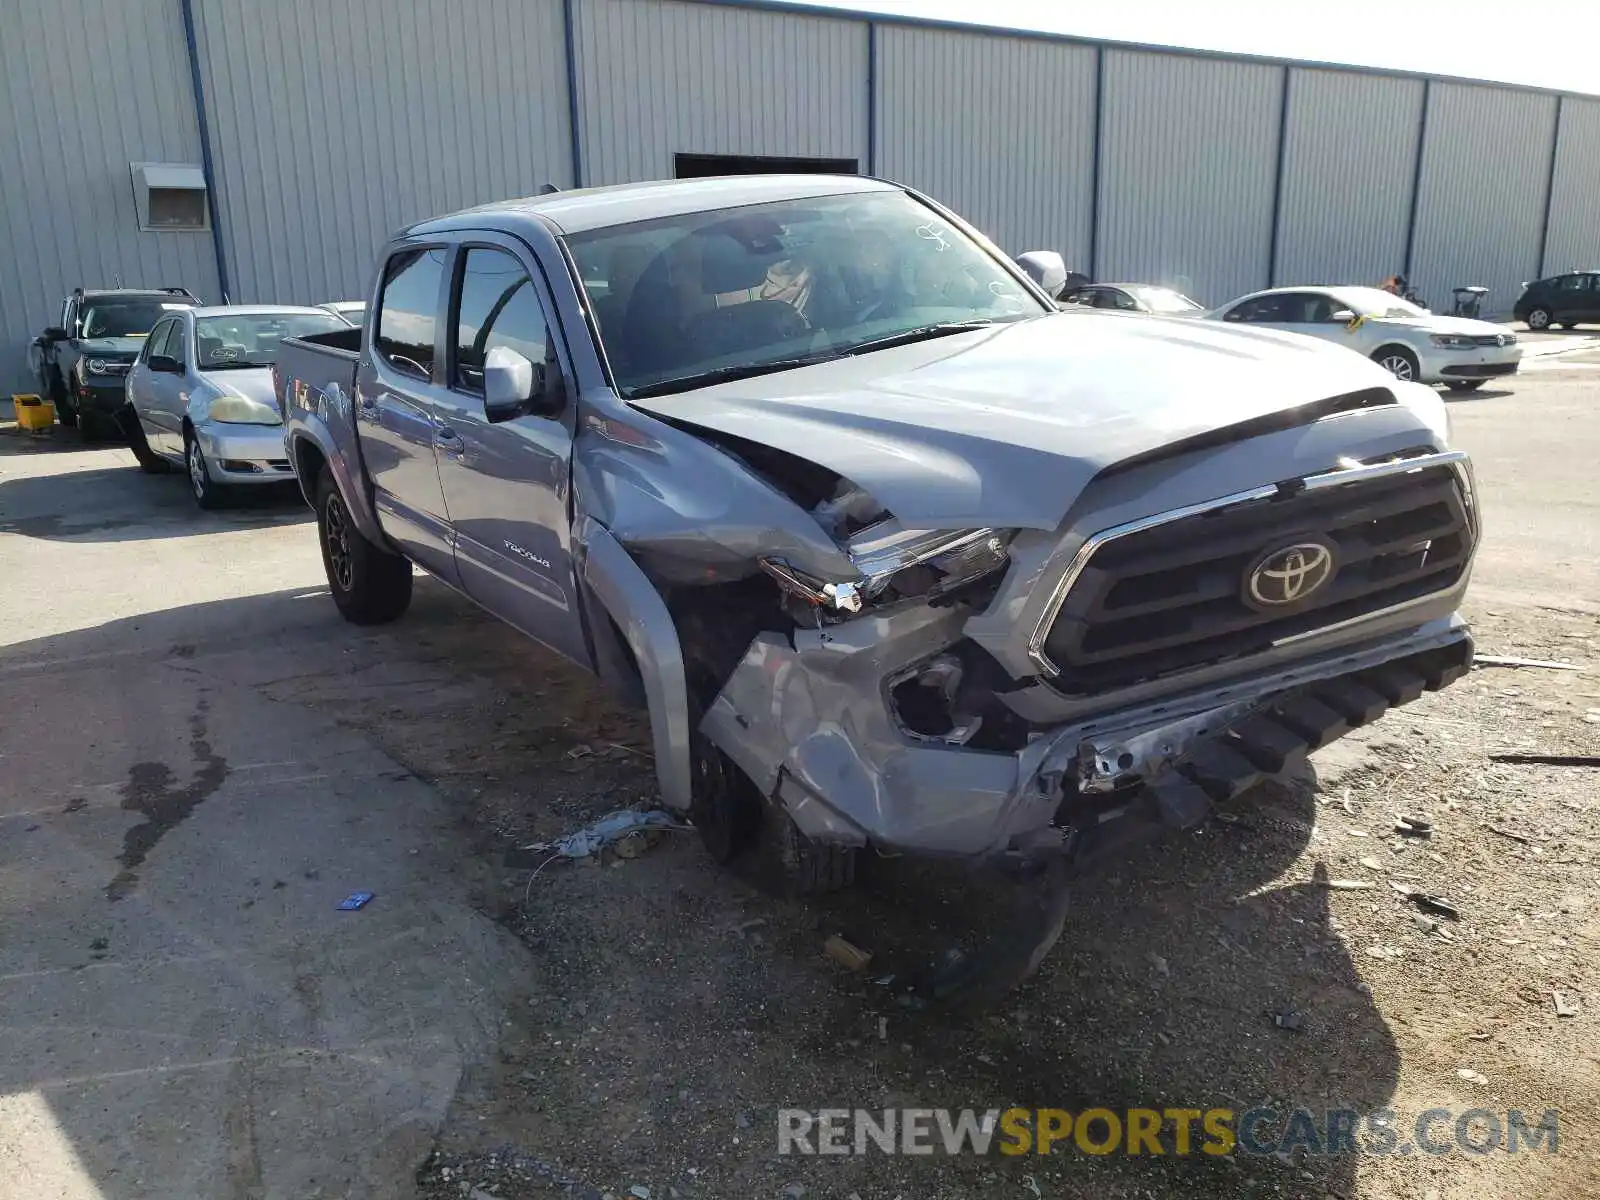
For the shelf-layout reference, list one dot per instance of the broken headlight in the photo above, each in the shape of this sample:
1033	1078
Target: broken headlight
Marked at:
925	562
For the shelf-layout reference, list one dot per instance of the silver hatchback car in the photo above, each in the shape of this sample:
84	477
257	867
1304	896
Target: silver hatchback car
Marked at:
201	394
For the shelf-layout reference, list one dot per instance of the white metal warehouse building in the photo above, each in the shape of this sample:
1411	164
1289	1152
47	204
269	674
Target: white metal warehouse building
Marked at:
308	130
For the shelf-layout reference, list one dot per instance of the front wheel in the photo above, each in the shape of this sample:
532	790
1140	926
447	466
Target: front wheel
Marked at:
207	492
1539	318
1464	385
370	585
1399	362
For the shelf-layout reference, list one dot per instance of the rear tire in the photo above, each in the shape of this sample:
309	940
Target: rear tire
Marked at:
150	462
1539	318
1464	385
1399	362
370	585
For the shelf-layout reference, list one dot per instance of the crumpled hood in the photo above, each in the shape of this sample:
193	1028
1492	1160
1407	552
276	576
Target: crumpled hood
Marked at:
1006	426
125	348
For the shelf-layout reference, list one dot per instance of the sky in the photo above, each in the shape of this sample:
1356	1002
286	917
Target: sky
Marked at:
1551	44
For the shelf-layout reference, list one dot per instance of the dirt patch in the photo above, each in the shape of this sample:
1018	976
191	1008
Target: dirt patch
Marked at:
683	1005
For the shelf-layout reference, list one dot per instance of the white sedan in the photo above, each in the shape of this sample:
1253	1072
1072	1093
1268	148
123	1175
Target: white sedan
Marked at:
1410	341
202	395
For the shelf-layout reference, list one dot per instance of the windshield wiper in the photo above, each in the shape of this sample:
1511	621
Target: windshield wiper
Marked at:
921	333
728	374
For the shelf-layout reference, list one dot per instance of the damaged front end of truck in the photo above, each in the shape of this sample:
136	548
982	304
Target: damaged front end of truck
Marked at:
1018	634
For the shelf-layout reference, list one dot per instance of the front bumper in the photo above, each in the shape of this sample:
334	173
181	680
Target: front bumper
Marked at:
1489	362
100	398
245	454
812	726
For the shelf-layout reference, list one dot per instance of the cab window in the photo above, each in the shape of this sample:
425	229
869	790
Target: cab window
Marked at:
407	320
496	305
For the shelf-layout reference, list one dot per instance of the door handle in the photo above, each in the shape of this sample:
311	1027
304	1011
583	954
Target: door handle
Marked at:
446	437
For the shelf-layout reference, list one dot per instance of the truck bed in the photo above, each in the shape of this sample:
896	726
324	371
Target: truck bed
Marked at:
316	363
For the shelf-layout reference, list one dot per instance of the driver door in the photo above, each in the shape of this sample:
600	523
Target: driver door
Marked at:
508	483
165	394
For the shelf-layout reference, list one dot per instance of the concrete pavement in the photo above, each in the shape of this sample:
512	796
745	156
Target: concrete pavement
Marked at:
186	1011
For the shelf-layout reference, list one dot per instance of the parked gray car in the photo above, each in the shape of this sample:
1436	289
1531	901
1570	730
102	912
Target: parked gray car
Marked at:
201	396
895	555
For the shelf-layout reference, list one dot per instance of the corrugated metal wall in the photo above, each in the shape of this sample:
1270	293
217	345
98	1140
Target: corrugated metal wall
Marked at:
80	107
334	124
1350	150
1480	211
1574	239
656	78
1000	129
1188	166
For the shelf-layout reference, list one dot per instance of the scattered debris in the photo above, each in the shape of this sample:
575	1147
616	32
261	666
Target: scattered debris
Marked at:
1403	888
1385	952
794	1191
1472	1076
846	954
639	1192
1480	1037
609	828
1509	660
1434	904
1032	1184
1413	827
1289	1020
354	901
1548	760
479	1193
1160	965
1351	885
1566	1006
1506	833
883	1029
1357	832
1372	864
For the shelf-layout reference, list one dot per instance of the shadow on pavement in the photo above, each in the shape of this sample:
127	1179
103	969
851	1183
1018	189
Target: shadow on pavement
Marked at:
221	1030
102	502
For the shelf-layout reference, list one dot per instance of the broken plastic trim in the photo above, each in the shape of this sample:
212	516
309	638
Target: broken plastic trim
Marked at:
841	597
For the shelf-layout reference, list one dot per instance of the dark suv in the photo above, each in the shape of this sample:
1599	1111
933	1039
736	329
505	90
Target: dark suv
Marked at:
1564	300
83	361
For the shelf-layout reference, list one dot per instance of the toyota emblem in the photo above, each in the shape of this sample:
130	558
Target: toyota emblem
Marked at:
1289	575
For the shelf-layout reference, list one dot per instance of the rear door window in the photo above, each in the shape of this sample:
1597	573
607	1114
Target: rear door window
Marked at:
408	316
1259	311
1574	283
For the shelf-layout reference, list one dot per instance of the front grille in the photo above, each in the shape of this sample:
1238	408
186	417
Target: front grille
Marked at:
1169	598
1494	339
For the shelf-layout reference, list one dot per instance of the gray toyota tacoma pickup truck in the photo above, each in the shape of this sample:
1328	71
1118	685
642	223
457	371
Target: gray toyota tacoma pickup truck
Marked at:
896	555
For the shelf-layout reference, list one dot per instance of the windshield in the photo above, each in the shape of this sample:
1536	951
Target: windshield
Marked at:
1165	300
686	300
241	340
124	318
1375	302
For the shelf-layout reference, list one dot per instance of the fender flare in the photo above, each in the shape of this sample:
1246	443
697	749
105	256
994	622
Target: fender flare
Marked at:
313	431
633	602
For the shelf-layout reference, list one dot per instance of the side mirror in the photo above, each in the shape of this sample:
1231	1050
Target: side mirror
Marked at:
53	333
1343	317
1046	268
164	364
513	386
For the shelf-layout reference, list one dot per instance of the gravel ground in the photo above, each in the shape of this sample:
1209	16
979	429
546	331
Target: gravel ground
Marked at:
680	1006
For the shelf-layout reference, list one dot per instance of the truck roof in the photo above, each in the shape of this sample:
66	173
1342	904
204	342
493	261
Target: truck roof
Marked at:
622	204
